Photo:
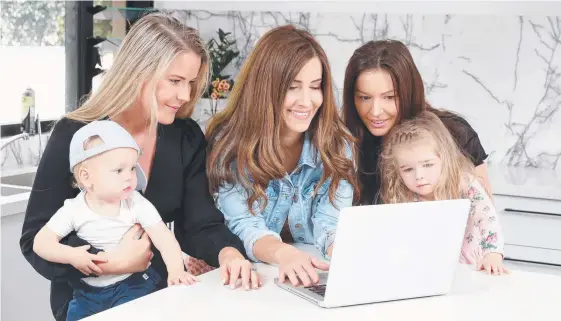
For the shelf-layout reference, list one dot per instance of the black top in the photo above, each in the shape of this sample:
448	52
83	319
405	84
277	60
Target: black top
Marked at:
177	187
465	136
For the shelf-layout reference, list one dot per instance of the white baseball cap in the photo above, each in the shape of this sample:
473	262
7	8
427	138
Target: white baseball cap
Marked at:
113	136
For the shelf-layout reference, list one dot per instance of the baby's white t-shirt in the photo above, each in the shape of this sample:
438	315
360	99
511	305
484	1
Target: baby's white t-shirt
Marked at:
103	232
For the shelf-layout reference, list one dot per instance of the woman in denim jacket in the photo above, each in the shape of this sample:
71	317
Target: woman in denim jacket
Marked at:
280	160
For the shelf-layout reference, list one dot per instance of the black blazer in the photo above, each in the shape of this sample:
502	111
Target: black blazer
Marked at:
177	187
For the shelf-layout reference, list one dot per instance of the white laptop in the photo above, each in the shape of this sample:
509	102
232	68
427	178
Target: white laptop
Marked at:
391	252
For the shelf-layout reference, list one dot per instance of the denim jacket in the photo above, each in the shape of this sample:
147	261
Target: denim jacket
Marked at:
311	219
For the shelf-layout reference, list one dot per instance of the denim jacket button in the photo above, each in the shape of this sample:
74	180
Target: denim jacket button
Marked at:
295	198
297	226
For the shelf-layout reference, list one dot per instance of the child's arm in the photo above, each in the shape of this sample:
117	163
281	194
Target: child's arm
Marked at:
46	245
486	223
485	218
164	240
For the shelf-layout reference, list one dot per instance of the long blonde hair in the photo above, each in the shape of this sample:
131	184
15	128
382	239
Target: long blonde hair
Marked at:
455	165
142	59
247	132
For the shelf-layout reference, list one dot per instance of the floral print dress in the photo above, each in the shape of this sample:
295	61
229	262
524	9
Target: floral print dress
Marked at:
483	233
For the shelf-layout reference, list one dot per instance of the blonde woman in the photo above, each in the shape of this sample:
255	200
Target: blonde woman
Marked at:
158	74
421	161
280	158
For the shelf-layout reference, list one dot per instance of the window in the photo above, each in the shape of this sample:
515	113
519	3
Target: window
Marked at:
32	55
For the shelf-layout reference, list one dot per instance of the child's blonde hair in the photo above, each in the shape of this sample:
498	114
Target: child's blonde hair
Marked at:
455	165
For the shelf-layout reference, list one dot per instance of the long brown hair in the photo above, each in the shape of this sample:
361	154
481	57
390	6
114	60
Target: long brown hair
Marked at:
247	132
393	57
455	165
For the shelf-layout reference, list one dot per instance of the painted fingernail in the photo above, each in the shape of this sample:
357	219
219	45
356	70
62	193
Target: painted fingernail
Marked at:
247	287
232	286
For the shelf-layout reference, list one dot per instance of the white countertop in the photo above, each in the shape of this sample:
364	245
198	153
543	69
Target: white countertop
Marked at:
475	296
525	182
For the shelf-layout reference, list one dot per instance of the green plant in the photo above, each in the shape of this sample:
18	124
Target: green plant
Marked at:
221	55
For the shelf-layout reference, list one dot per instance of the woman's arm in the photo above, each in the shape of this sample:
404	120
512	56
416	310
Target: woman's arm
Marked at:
470	144
259	241
204	231
130	256
261	244
326	215
264	245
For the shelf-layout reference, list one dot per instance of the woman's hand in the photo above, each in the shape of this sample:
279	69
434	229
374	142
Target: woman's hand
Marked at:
298	266
130	256
234	267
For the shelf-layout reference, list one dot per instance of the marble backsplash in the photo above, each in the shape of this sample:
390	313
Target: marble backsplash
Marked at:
503	73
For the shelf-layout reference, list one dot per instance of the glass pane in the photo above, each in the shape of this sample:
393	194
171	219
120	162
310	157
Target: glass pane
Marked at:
32	56
111	24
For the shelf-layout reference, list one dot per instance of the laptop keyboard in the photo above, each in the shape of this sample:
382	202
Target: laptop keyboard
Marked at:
317	289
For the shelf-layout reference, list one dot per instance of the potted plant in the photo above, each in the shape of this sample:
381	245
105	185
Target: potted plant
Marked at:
221	53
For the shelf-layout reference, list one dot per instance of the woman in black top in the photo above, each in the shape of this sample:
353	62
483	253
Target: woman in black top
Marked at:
382	87
157	76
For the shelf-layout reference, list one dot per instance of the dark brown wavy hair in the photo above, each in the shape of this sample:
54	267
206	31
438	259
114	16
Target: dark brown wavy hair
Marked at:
393	57
247	132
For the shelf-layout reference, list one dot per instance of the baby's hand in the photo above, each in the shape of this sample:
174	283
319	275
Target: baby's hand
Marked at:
181	277
493	264
84	261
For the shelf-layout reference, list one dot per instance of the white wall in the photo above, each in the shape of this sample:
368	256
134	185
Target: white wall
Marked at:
395	6
496	63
